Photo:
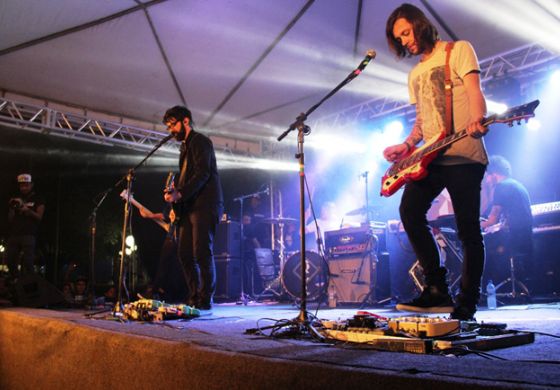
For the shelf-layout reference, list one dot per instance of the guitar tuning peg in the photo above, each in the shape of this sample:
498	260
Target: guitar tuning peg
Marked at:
510	124
519	122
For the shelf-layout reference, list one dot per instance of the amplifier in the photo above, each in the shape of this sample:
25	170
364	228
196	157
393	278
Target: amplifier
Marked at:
228	278
227	240
352	278
353	241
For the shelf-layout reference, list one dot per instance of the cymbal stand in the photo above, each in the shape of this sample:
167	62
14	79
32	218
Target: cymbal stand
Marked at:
244	298
275	286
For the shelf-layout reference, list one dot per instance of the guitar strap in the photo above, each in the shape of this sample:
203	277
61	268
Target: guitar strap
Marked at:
448	85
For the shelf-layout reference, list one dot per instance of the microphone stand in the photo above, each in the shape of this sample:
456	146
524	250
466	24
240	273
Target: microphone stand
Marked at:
302	324
129	177
93	231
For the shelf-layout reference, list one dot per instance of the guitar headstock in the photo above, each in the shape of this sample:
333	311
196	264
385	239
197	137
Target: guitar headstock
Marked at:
124	194
169	182
516	114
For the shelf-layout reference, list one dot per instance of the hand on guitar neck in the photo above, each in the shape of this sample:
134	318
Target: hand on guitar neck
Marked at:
145	212
411	163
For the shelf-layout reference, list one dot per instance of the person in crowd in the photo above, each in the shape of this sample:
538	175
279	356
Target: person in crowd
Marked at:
25	213
459	168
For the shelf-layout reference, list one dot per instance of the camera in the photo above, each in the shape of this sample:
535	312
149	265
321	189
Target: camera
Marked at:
16	203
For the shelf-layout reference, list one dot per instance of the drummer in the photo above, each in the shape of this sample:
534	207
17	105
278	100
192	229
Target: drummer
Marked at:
328	220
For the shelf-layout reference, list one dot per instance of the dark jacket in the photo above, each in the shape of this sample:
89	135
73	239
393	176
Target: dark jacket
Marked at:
199	182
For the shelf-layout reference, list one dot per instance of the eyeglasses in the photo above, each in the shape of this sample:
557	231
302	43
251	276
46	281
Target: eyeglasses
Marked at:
170	124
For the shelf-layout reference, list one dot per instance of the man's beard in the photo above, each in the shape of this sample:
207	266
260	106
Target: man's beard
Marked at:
180	136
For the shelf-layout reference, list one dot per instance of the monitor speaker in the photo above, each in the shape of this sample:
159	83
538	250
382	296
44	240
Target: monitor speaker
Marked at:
228	278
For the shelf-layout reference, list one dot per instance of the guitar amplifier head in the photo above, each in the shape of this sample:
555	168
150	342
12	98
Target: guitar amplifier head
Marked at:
356	240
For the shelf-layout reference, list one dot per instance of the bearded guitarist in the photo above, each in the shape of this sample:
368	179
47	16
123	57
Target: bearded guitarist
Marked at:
199	202
446	71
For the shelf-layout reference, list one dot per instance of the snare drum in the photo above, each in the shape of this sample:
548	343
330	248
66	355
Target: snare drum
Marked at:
316	275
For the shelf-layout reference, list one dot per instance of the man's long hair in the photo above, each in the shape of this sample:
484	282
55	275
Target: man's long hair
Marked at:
425	32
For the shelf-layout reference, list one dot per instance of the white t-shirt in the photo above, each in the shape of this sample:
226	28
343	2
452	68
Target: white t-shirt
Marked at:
426	89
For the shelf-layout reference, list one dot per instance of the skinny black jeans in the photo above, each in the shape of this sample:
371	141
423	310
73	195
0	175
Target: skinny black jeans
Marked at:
464	184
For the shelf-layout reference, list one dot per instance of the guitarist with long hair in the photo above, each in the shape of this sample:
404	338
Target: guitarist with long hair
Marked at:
446	71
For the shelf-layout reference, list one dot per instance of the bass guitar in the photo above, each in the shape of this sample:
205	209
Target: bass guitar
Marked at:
174	214
139	206
414	165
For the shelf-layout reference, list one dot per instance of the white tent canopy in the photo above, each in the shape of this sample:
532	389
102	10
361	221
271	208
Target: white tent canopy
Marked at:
246	68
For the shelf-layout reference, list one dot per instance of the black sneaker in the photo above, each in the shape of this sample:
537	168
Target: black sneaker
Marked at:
463	313
430	301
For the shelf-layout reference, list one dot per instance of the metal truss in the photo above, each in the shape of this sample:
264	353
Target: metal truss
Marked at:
46	120
526	63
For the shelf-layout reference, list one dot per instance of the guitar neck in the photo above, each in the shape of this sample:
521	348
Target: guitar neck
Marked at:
438	145
140	206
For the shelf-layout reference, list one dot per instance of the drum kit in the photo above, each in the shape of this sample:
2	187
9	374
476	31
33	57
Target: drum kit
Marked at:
285	278
281	270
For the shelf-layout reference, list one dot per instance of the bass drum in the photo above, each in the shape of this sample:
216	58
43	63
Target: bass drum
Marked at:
316	272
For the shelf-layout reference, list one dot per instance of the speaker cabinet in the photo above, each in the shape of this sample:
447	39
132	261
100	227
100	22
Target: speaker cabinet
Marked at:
352	277
227	240
545	267
228	278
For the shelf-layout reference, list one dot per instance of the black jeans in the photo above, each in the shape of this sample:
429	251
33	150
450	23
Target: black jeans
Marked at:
196	236
463	183
17	245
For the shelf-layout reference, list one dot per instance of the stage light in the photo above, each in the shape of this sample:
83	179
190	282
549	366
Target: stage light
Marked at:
337	144
394	128
534	124
228	161
495	107
2	248
555	78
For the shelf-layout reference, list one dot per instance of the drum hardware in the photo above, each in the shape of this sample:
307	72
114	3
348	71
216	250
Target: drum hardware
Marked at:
244	298
316	276
275	285
445	242
514	293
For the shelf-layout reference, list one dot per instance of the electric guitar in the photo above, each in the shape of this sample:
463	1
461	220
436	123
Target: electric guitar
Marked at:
414	165
139	206
175	213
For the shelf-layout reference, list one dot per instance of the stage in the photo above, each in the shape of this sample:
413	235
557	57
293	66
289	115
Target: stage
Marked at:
47	349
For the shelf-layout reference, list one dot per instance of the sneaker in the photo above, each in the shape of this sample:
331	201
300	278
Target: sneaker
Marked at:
463	313
430	301
204	306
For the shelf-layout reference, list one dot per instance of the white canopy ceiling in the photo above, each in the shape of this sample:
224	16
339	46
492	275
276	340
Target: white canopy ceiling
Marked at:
244	67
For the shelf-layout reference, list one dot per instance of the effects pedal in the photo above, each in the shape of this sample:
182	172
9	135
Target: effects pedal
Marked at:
424	327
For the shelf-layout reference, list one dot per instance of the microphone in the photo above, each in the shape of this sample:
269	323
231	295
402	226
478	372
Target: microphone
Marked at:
165	139
370	55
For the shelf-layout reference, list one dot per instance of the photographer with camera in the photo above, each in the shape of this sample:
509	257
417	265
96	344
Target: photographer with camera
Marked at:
24	215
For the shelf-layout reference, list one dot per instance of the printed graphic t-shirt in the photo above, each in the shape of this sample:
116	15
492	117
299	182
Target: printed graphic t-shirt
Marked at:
426	89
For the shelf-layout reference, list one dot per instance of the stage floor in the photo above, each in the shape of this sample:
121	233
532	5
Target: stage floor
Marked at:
222	331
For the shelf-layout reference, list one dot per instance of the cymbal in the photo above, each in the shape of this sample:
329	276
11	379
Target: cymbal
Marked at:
280	220
363	210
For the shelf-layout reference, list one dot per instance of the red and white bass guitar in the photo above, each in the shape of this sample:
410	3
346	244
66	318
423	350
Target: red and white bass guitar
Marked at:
414	166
